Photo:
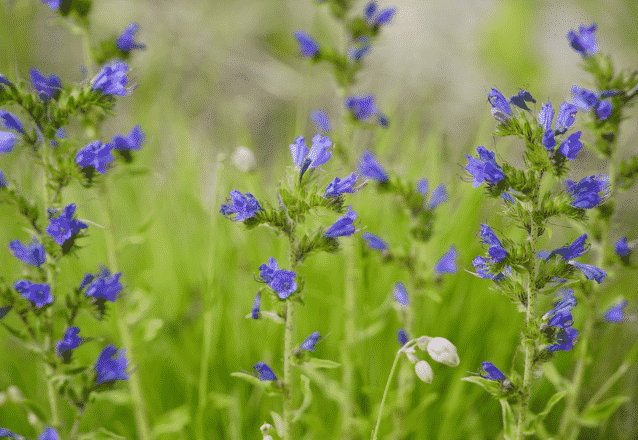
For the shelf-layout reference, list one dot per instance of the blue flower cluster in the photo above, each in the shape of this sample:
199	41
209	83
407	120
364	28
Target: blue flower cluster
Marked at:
439	194
38	294
560	320
577	249
241	207
587	100
64	227
369	167
485	168
364	108
586	193
32	254
281	281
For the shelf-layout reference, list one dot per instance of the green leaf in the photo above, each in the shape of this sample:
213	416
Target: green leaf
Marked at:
249	378
595	415
552	374
550	404
101	434
35	409
491	386
172	422
307	399
117	397
373	330
221	401
509	421
278	422
322	363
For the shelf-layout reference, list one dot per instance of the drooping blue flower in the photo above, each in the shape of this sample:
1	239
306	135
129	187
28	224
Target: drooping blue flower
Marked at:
109	368
38	294
566	117
65	227
370	9
400	294
7	141
241	206
565	304
362	107
112	79
374	242
545	118
447	262
590	272
490	372
485	168
126	41
585	193
86	281
256	305
359	48
310	342
501	110
267	271
47	87
49	434
308	47
96	155
622	248
481	267
439	195
321	120
402	337
616	313
369	167
32	254
10	121
496	250
69	342
283	282
587	100
265	372
577	249
319	153
584	42
604	110
571	146
521	98
133	141
53	4
344	226
104	285
341	186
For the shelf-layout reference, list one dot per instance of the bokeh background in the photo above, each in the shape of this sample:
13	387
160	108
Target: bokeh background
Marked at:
221	74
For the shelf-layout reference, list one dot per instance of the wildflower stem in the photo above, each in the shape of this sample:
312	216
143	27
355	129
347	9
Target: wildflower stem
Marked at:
139	407
76	424
385	392
288	347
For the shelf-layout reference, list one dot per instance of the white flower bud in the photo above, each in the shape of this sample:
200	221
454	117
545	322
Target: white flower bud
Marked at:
14	393
409	353
32	419
443	351
264	431
244	159
424	371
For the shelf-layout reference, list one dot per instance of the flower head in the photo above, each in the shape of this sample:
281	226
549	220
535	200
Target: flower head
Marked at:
319	153
616	313
267	271
374	19
402	337
571	146
65	227
6	433
241	206
496	250
38	294
283	282
10	121
341	186
577	249
369	167
364	108
565	118
485	168
308	47
49	434
112	79
69	342
622	248
400	294
321	120
443	351
32	254
47	87
344	226
5	81
490	372
565	304
359	48
126	41
584	42
310	342
265	372
374	242
501	109
256	304
447	262
133	141
521	98
96	155
587	100
482	268
590	272
7	141
439	195
585	193
109	368
104	285
53	4
560	319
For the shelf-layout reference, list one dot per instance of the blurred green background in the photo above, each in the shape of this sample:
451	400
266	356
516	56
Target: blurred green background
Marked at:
220	74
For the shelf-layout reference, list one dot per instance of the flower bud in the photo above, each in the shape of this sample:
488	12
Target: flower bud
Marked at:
32	419
424	371
443	351
409	353
422	342
244	159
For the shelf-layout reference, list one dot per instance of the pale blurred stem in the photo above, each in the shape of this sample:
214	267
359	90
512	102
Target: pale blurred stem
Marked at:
76	424
139	408
288	344
208	307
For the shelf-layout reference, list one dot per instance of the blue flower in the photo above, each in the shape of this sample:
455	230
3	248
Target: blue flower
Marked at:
370	9
53	4
439	195
359	48
564	339
422	187
363	108
133	141
565	118
3	182
587	100
402	337
7	141
490	372
341	186
385	16
481	267
283	282
590	272
585	193
604	110
38	294
584	42
265	373
10	121
519	100
501	109
447	263
86	281
571	146
126	41
484	169
622	248
310	342
373	19
577	249
109	368
242	206
321	120
298	150
400	294
267	271
69	342
104	285
47	87
112	79
256	304
318	154
32	254
370	168
49	434
343	227
560	318
65	227
374	242
96	155
566	303
496	250
616	313
564	121
59	134
307	46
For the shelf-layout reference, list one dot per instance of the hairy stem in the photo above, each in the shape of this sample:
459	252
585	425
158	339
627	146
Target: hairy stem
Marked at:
387	388
288	346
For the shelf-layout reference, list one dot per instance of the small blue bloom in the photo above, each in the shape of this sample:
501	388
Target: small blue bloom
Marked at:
501	109
369	167
584	42
571	146
307	45
298	150
86	281
49	434
7	141
566	303
402	337
384	17
439	195
341	186
10	121
362	107
38	294
400	294
585	193
587	100
447	263
616	313
112	79
482	268
59	134
564	340
32	254
484	169
319	153
53	4
546	116
283	282
105	286
109	368
47	87
126	41
3	182
256	304
590	272
359	48
265	373
133	141
69	342
519	100
374	242
496	250
321	120
267	271
622	248
490	372
565	118
96	155
242	206
604	110
65	227
343	227
310	342
508	197
577	249
370	9
422	187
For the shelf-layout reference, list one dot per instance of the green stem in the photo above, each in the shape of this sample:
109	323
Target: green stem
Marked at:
350	302
288	346
387	387
139	407
76	424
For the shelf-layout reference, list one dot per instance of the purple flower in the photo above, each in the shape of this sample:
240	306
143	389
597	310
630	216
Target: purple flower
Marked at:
501	109
622	248
400	294
39	294
5	81
422	187
374	242
616	313
112	80
53	4
126	41
105	286
7	141
299	151
69	342
590	272
584	42
484	169
65	227
604	110
577	249
370	9
564	339
307	46
341	186
565	118
519	100
359	48
482	268
133	141
256	304
32	254
321	120
402	337
383	17
343	227
96	155
490	372
267	271
565	304
109	368
10	121
362	107
571	146
6	433
447	263
242	206
370	168
587	100
265	373
310	342
439	195
283	282
49	434
47	87
585	193
86	281
496	250
319	153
